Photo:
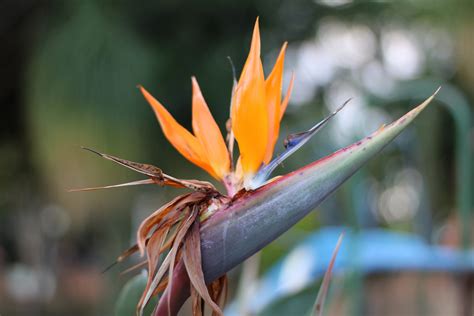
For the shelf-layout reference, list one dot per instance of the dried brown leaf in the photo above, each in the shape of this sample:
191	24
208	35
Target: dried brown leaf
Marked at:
156	174
134	267
196	302
193	264
148	293
182	232
154	219
153	247
127	184
218	291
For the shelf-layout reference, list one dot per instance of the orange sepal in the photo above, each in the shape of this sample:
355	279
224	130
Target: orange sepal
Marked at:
284	104
209	135
178	136
273	95
249	111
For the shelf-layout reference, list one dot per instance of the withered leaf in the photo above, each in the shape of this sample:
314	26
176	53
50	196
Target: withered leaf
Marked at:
156	174
181	234
192	262
218	291
127	184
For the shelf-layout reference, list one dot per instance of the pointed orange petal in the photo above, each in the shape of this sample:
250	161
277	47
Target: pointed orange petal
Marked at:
178	136
249	111
273	94
239	173
284	104
209	134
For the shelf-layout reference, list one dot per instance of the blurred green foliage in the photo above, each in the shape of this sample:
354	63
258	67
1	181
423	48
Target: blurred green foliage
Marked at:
129	296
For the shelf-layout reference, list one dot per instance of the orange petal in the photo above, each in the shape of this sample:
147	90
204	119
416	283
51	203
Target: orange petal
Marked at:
239	173
284	104
249	111
273	94
178	136
208	133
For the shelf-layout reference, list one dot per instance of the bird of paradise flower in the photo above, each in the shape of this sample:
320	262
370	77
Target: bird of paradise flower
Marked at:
170	237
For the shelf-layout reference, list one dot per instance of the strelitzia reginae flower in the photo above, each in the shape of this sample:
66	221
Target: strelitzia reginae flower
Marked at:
256	110
191	242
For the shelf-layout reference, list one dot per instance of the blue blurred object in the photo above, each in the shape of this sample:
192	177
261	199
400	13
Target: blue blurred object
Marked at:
367	251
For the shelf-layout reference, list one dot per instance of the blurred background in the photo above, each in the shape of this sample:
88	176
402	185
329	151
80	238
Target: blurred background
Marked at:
69	71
